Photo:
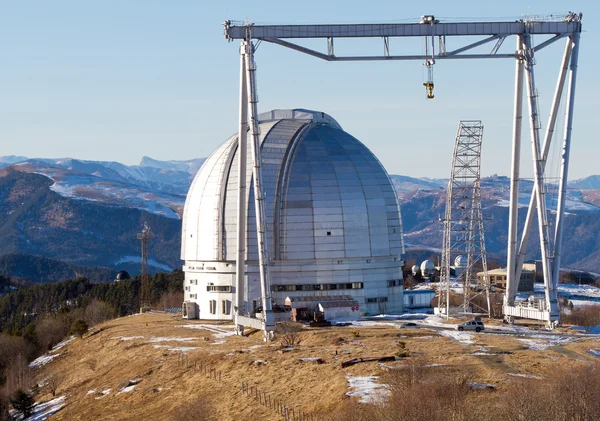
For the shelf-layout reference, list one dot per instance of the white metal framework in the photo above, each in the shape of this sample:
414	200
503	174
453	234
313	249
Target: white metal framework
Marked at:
463	224
568	27
145	236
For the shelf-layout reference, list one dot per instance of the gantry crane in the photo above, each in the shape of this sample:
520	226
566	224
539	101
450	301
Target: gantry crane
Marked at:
553	28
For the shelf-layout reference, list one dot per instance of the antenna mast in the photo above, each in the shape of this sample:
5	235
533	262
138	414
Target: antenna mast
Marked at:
463	224
145	236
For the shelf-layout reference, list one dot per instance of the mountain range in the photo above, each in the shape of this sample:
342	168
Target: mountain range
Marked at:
87	213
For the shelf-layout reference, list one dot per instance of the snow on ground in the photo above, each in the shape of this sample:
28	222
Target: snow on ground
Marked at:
366	389
219	332
62	344
127	338
594	352
526	376
91	391
177	348
95	189
42	411
581	303
463	337
543	342
104	393
42	360
576	291
174	339
481	386
126	389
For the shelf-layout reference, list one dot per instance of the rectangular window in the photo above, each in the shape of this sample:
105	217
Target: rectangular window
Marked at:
226	306
213	306
371	300
218	288
357	285
392	283
382	299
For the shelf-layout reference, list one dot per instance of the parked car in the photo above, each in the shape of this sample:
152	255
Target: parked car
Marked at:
475	325
409	325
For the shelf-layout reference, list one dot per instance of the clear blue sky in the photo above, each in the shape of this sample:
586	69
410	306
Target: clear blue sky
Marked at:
116	80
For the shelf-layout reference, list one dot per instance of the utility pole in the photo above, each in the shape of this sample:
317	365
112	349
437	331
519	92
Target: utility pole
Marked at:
145	236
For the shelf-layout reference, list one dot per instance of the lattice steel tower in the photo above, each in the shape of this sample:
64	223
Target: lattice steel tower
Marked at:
144	238
463	224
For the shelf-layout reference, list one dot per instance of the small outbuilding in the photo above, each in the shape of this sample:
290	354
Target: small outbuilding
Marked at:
332	307
418	298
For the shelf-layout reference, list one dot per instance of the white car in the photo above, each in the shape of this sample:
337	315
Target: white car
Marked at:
477	326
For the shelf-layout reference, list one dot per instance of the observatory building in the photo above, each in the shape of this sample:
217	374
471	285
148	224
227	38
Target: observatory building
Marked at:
333	224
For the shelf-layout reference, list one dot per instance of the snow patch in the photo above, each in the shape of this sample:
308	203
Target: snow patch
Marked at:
127	338
543	342
43	360
183	349
594	352
176	339
367	390
43	410
526	376
126	389
62	344
104	393
219	332
463	337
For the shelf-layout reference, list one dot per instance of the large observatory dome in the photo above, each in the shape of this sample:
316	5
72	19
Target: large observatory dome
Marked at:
333	224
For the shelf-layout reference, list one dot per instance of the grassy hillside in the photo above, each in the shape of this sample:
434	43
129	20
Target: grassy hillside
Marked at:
149	366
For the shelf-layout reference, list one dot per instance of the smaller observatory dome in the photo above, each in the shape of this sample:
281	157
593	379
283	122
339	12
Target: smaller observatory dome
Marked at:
460	261
122	275
415	269
427	267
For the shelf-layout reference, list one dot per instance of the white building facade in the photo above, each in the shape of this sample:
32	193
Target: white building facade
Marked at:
333	224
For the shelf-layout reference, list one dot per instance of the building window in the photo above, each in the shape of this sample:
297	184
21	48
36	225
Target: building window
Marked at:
393	283
371	300
382	299
218	288
226	306
357	285
213	306
193	296
329	233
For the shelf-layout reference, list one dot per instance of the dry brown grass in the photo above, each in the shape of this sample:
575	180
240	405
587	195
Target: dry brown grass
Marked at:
167	387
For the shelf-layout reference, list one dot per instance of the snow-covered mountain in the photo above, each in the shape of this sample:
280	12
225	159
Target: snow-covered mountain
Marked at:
154	186
589	183
162	176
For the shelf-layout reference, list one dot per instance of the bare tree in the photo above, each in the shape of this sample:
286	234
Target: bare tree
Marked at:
170	299
97	312
54	381
289	332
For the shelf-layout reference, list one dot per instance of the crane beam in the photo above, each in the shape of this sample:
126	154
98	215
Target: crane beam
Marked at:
233	32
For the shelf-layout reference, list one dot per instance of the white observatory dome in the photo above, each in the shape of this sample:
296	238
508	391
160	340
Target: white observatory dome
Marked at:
333	224
427	267
415	269
460	261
